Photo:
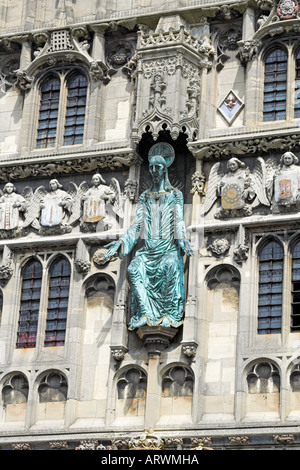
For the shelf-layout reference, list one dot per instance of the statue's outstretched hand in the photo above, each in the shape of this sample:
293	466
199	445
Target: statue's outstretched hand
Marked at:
186	247
112	248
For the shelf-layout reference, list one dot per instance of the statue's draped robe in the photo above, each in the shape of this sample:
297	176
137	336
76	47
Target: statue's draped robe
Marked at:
156	272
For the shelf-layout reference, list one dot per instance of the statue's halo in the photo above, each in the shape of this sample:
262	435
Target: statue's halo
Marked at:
164	150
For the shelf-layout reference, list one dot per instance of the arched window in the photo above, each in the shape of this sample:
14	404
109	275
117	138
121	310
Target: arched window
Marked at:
29	304
58	298
295	314
75	114
275	85
49	106
270	288
297	86
62	110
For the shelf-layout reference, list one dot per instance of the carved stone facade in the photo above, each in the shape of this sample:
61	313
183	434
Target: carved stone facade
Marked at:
89	92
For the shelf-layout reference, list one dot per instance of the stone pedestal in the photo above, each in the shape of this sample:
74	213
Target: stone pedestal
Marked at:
156	339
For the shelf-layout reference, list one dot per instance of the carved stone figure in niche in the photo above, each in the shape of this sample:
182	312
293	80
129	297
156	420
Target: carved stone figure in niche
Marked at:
51	211
239	190
156	272
11	205
97	204
56	206
287	181
157	98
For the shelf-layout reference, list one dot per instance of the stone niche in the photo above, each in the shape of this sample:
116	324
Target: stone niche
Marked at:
177	394
263	394
131	396
222	307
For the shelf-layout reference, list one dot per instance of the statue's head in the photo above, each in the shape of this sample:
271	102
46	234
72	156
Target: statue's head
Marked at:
97	179
159	170
288	158
54	185
234	164
9	188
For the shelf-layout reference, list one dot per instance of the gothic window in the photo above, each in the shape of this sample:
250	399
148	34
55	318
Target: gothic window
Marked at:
297	85
29	304
75	115
58	297
270	288
295	314
275	86
62	110
49	105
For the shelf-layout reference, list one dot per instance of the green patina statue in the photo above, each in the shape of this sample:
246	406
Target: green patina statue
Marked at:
156	272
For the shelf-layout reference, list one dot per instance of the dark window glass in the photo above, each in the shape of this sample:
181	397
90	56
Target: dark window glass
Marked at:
58	297
275	86
29	304
75	113
46	134
295	314
297	86
270	289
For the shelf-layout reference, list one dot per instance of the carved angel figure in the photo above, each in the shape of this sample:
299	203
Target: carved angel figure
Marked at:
239	190
99	199
11	205
286	181
53	209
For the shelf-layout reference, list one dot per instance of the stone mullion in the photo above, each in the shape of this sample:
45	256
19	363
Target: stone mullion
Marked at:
63	97
290	85
42	312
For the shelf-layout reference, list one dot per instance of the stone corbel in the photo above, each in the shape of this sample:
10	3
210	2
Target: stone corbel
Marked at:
247	50
82	262
118	352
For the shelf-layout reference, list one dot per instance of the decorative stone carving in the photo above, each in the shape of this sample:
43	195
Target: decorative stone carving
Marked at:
287	9
284	438
130	189
261	143
219	246
240	253
21	446
247	50
11	206
286	186
80	165
164	74
189	348
95	202
6	267
118	352
48	211
239	440
120	47
82	265
8	74
198	184
239	190
146	442
58	445
202	443
99	257
227	39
